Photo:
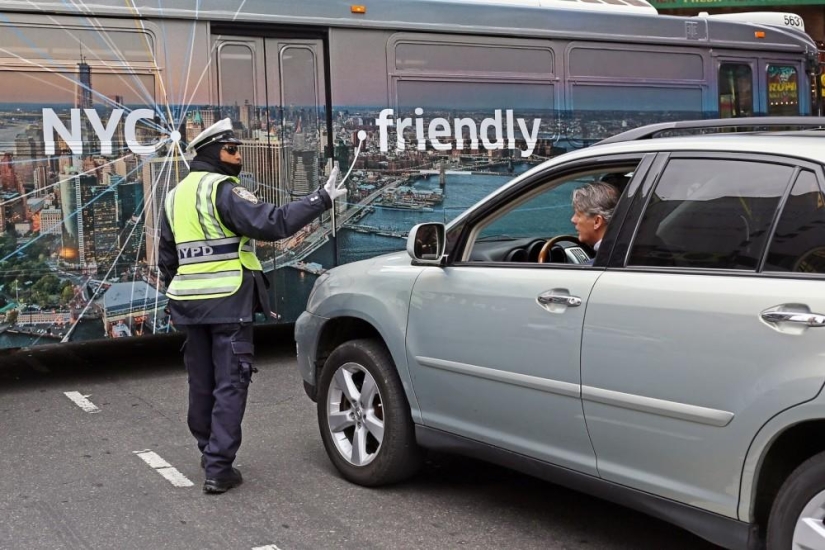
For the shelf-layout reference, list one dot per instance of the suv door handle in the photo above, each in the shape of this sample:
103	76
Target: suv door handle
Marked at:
556	297
807	319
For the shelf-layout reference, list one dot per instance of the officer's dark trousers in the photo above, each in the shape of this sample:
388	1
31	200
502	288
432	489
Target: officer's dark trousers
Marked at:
219	362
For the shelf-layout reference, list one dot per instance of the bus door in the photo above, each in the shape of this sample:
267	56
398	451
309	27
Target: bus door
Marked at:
275	92
737	93
296	95
785	90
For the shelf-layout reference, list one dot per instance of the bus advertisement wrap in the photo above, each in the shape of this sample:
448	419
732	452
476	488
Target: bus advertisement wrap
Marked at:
96	113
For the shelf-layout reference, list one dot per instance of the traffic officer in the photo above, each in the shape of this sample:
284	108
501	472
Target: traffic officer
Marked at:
215	286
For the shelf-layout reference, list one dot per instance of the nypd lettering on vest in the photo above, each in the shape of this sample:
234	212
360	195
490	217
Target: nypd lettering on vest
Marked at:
185	252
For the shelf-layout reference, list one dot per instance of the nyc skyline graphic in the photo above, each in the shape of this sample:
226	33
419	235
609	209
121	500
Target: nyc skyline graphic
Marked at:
82	186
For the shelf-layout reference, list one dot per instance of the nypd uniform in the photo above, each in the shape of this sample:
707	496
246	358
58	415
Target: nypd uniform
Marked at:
215	286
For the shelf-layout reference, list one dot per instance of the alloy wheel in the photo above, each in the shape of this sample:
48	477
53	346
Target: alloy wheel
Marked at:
809	533
355	414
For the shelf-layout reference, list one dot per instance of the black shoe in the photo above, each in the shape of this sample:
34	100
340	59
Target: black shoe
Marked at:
222	485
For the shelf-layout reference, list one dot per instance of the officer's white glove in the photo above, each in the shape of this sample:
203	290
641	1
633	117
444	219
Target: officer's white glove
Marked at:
330	187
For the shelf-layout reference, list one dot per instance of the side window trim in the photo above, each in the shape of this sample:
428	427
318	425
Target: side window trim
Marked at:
620	253
623	208
652	182
776	217
819	174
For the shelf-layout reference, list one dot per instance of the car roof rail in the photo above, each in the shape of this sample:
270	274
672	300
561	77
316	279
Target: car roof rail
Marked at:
650	131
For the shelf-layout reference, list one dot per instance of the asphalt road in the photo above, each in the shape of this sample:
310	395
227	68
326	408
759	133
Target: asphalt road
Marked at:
73	479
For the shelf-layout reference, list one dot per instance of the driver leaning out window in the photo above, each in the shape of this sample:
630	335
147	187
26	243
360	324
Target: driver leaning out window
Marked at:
593	207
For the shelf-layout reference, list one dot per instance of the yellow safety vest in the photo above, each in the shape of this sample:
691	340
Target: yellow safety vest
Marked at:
211	257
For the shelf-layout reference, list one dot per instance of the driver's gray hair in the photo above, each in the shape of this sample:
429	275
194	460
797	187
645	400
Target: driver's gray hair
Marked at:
596	199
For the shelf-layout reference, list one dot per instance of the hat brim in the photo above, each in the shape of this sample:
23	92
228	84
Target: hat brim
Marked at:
230	140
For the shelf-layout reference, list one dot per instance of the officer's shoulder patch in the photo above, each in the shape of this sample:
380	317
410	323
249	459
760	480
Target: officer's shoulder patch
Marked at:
245	194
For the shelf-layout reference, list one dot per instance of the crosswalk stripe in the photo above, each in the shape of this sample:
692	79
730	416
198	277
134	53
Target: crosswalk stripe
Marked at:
81	401
165	469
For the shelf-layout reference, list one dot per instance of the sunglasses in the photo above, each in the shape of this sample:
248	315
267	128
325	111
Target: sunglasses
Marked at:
231	149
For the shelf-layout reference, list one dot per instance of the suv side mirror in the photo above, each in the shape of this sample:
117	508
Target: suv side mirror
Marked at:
425	243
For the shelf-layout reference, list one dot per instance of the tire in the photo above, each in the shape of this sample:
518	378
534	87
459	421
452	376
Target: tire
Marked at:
797	514
371	441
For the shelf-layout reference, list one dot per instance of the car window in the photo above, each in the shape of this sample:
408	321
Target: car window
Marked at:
798	244
548	213
545	214
710	213
516	231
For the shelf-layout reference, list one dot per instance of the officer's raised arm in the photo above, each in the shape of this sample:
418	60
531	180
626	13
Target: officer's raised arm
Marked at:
242	212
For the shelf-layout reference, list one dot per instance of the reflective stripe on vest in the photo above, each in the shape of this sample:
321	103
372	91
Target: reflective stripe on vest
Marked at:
211	257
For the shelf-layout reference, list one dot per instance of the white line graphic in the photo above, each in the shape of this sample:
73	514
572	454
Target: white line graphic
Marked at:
165	469
267	547
81	401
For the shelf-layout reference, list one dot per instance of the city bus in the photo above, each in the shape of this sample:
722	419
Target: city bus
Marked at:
427	105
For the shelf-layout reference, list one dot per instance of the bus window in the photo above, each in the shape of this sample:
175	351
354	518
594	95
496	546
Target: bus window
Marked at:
735	90
783	91
301	105
237	71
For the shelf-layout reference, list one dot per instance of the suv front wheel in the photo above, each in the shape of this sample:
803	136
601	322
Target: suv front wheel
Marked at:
797	520
364	416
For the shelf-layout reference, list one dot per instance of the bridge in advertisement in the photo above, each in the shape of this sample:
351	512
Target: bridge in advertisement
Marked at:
318	238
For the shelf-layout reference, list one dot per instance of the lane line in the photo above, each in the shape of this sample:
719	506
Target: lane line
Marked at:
165	469
81	401
267	547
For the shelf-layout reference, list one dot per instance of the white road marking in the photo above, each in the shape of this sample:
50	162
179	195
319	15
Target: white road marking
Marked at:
81	401
165	469
267	547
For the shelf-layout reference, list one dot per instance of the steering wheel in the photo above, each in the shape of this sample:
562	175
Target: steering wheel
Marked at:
544	253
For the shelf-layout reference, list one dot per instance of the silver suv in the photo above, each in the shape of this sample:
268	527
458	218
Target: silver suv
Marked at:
678	370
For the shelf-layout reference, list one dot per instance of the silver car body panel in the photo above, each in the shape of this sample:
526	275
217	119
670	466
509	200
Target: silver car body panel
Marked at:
814	409
696	340
376	291
490	363
307	331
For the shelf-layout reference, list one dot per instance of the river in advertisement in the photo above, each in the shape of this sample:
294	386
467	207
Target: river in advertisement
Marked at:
461	192
8	133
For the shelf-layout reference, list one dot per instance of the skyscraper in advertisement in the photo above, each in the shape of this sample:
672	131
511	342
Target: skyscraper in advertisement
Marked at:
105	228
83	97
303	172
51	221
130	200
85	189
40	178
263	161
209	116
132	242
68	204
247	115
159	176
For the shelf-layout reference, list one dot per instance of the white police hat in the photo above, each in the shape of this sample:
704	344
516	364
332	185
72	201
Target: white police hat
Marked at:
220	132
